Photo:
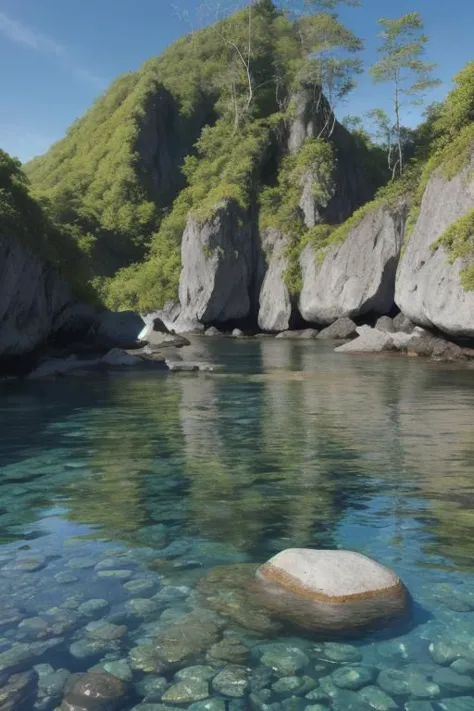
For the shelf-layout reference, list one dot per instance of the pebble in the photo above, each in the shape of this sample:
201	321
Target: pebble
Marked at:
341	652
152	687
462	703
141	606
452	681
463	666
81	562
294	703
214	704
101	629
344	700
117	574
119	668
187	691
285	660
66	578
394	681
232	681
85	648
139	586
199	672
418	706
377	699
90	607
443	652
353	678
25	565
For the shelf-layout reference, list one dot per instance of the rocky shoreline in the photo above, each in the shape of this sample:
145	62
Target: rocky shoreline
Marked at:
125	341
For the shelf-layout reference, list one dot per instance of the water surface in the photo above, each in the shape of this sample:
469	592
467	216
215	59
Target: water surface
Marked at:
164	477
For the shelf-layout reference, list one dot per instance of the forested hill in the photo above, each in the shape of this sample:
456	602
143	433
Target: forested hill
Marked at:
113	179
224	153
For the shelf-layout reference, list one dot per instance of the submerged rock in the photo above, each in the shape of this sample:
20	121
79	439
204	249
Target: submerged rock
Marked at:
228	591
187	691
284	659
18	692
335	590
93	692
232	681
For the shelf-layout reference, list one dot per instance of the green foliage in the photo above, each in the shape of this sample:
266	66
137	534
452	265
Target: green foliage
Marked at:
23	218
402	65
279	205
458	109
458	241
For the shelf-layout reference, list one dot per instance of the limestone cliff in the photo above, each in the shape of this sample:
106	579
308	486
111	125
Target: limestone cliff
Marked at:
357	276
428	287
33	296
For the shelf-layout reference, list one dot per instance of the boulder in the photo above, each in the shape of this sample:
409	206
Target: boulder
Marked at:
357	276
237	333
425	344
385	323
340	330
219	259
402	323
308	333
330	589
428	286
275	309
370	340
93	692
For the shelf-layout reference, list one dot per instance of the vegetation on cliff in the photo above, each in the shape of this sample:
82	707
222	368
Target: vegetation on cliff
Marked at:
24	219
221	102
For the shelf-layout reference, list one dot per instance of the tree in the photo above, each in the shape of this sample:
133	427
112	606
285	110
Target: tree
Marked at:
402	65
327	46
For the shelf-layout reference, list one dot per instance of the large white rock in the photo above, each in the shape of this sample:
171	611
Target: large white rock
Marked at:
373	340
428	287
333	589
357	276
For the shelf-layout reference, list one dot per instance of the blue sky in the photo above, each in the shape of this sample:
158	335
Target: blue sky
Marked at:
56	56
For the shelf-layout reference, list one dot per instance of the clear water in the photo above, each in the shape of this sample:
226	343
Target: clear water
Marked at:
164	477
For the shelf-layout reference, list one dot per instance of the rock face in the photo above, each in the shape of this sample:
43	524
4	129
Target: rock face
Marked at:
330	589
32	297
357	277
275	302
219	259
428	288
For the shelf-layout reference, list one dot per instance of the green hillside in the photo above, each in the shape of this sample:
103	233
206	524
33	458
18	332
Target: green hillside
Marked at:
203	122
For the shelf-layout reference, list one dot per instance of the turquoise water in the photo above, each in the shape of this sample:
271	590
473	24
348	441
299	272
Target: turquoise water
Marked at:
127	489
